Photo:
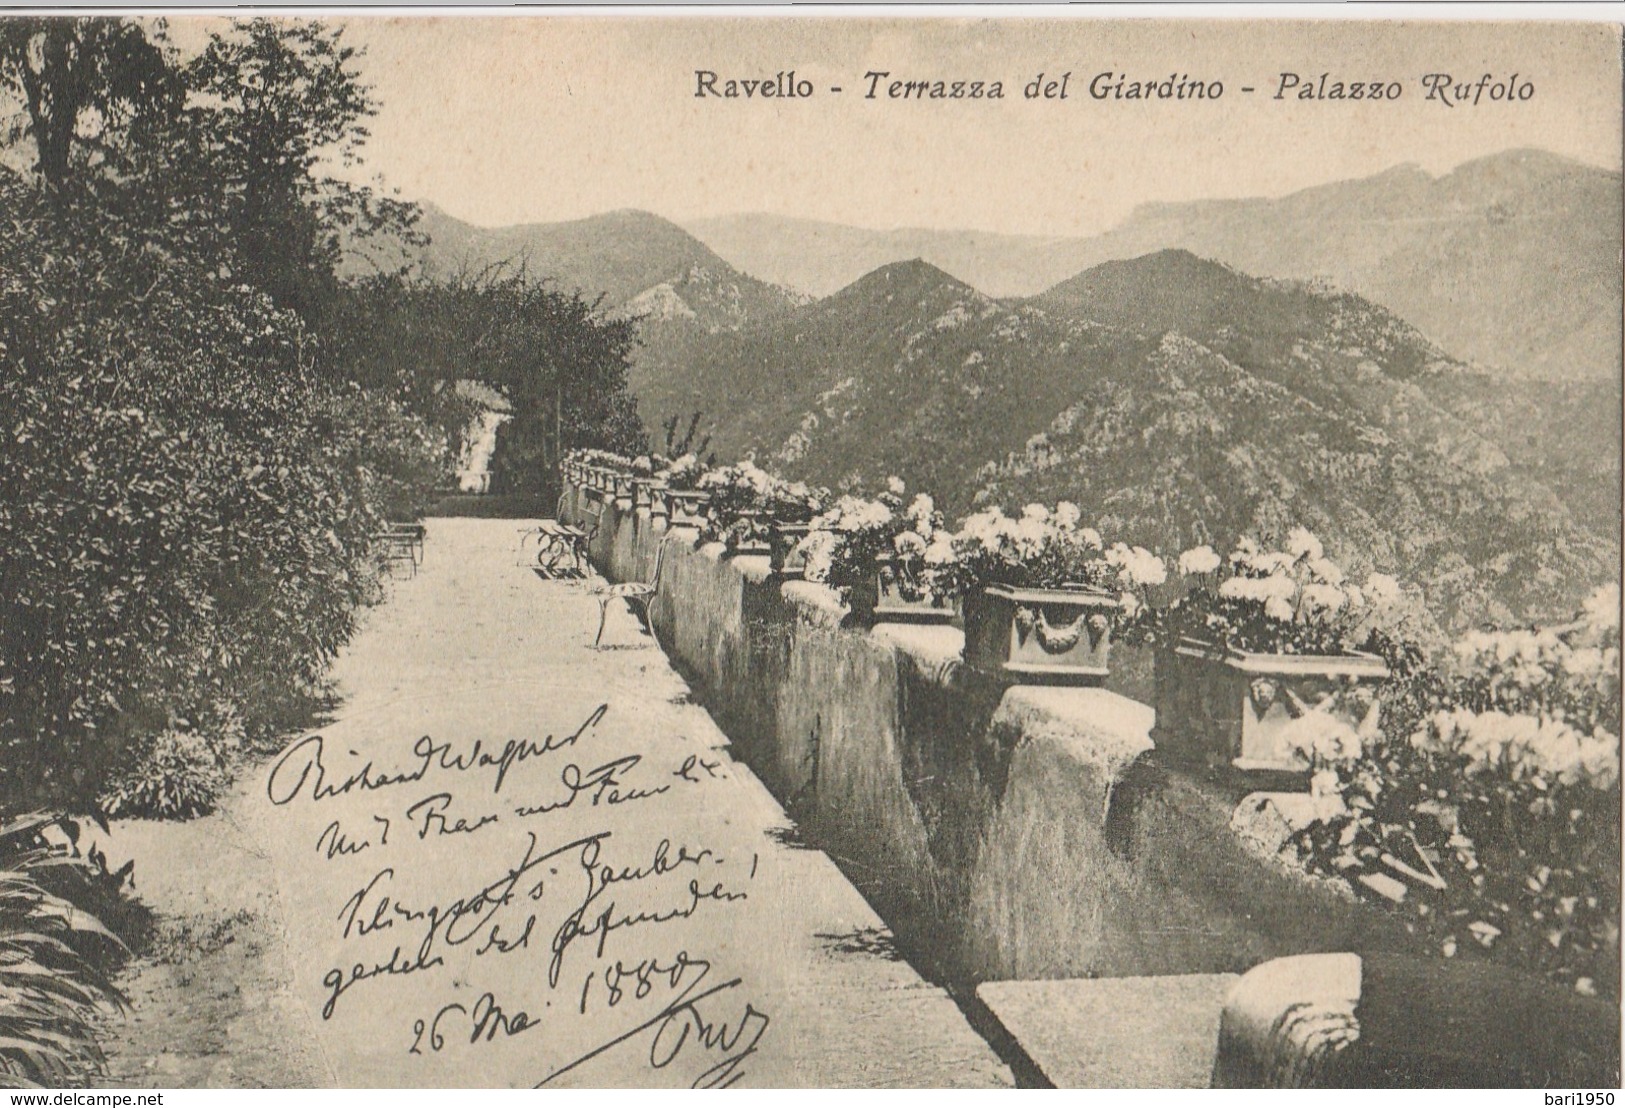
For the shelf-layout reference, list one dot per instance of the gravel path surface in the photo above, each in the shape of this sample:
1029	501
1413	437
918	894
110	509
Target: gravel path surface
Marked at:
515	859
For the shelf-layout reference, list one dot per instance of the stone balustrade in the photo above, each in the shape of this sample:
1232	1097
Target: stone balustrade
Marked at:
1004	832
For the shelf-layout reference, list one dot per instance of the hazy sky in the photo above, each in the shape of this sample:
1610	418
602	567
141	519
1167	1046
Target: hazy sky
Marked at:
530	118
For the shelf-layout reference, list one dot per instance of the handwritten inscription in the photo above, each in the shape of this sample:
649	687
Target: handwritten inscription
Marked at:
303	762
543	859
484	1023
683	1024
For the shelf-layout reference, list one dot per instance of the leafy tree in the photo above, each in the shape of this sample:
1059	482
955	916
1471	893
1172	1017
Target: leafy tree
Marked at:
276	101
560	363
84	82
224	155
203	426
408	338
563	366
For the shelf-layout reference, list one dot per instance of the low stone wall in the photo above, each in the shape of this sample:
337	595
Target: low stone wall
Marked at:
1019	832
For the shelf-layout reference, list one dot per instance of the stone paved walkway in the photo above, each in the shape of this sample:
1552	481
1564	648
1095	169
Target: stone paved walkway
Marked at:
516	859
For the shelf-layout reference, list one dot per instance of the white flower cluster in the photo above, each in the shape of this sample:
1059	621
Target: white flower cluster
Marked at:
1601	610
922	513
818	552
1523	745
940	552
593	456
1301	543
1275	592
1296	584
1198	560
1137	567
1322	738
912	533
922	536
685	470
1525	659
763	487
909	544
992	532
1567	679
745	474
854	513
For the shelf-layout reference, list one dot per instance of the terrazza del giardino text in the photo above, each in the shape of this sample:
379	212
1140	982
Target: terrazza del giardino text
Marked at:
1444	89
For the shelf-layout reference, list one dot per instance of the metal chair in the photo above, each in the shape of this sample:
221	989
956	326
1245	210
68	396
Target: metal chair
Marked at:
637	595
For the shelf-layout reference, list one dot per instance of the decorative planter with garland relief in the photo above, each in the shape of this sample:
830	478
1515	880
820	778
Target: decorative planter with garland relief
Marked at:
687	506
1228	709
881	601
1040	636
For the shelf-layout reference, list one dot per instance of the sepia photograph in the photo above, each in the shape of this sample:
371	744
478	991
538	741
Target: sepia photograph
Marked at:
836	548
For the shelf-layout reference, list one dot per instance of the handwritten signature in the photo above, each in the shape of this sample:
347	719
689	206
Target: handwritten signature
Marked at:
372	908
585	895
603	878
303	762
682	1024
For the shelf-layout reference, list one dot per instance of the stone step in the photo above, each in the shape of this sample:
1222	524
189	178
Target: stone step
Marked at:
1116	1032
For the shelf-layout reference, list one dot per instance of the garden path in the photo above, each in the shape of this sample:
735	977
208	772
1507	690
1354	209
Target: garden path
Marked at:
514	858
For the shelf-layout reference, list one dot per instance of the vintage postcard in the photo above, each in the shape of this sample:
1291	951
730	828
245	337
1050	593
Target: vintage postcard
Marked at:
809	549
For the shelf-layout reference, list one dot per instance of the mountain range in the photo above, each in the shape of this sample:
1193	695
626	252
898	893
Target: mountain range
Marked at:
1469	442
1511	260
1177	401
637	263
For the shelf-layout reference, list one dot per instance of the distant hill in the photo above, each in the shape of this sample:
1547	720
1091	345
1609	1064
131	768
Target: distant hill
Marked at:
638	263
1511	261
1177	401
818	257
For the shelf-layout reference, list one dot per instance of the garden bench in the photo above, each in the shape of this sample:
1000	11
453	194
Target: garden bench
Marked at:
402	542
561	550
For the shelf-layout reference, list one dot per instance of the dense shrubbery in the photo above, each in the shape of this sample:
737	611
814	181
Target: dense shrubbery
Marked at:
174	773
192	475
205	426
186	508
1497	783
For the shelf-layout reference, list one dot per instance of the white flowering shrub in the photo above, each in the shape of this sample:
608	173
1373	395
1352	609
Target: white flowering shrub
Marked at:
1291	601
1139	573
746	500
1497	781
682	473
859	539
605	459
1043	548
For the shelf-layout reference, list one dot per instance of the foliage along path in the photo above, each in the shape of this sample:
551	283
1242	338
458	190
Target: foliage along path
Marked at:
515	859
